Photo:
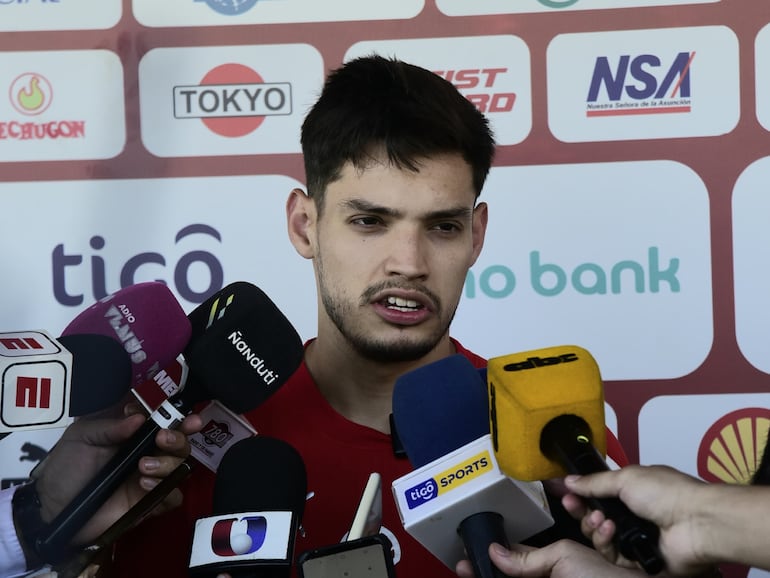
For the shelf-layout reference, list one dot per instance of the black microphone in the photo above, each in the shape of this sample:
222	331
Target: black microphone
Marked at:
259	499
245	350
101	372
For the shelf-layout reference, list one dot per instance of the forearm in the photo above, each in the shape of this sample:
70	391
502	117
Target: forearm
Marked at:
731	524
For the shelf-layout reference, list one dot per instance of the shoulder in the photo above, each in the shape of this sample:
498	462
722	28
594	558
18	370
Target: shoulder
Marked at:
475	359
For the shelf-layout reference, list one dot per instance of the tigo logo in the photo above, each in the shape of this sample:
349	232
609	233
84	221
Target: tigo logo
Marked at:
232	100
449	479
31	93
236	537
732	448
421	493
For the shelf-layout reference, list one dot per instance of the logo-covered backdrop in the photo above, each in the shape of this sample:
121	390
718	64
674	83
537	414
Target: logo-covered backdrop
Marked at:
144	140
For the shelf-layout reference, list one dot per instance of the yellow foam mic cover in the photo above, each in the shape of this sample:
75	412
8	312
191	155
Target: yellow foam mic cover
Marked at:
529	389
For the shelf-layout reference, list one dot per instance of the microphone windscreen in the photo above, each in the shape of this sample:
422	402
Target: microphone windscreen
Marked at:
101	372
244	349
145	318
260	473
440	407
527	390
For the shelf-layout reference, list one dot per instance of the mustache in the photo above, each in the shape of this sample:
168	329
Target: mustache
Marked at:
373	290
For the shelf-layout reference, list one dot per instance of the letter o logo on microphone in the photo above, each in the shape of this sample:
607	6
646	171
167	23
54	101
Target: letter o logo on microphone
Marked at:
224	543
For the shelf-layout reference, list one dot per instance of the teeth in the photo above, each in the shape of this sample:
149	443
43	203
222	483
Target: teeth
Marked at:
398	302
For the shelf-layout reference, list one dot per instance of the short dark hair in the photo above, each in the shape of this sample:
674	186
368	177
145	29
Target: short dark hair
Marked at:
374	105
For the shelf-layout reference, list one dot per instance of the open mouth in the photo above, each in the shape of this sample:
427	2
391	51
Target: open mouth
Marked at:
400	304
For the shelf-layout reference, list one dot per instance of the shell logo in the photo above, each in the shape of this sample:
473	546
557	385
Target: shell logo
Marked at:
30	93
732	447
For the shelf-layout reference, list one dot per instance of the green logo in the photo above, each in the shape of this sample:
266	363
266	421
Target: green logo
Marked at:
557	4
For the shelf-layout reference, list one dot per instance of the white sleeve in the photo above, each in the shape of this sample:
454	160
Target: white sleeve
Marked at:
12	562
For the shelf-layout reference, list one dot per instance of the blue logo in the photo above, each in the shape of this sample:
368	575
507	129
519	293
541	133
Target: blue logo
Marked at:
421	493
230	7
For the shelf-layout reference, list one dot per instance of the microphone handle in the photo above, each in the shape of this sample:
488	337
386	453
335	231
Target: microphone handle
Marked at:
567	440
75	566
478	531
52	543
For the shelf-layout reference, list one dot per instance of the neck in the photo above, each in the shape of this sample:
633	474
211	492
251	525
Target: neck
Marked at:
360	389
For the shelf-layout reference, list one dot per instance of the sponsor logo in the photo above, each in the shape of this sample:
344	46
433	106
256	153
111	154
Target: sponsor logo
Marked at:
448	480
641	84
230	7
246	537
22	344
421	493
33	393
236	338
29	453
62	262
731	449
533	362
169	384
232	100
551	279
120	318
217	309
216	433
31	94
477	85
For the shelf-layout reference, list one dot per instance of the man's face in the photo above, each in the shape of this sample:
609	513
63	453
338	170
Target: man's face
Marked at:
391	252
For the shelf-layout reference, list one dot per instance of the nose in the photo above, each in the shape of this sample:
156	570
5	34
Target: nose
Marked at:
407	254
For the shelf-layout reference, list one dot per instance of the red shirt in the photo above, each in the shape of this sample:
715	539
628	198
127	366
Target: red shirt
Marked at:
339	455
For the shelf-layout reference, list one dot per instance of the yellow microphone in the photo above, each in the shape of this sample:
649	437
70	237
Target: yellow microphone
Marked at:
547	420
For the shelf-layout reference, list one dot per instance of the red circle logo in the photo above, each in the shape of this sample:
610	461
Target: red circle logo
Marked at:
232	73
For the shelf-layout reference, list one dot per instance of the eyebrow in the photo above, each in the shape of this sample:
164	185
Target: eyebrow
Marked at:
368	207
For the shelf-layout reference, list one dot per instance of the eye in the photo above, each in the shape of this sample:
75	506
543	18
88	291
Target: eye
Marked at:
366	221
447	227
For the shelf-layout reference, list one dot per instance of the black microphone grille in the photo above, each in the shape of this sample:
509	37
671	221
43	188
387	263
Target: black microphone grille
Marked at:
260	473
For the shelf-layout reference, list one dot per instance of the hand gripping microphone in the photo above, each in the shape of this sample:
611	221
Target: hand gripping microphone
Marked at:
457	498
145	318
547	419
259	499
246	351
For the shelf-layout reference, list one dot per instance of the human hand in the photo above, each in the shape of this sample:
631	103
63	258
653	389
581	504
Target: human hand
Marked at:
87	444
562	559
659	494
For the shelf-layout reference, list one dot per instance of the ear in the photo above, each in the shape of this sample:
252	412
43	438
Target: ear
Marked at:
479	229
301	220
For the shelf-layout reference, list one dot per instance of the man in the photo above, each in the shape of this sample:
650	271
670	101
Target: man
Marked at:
395	159
85	446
